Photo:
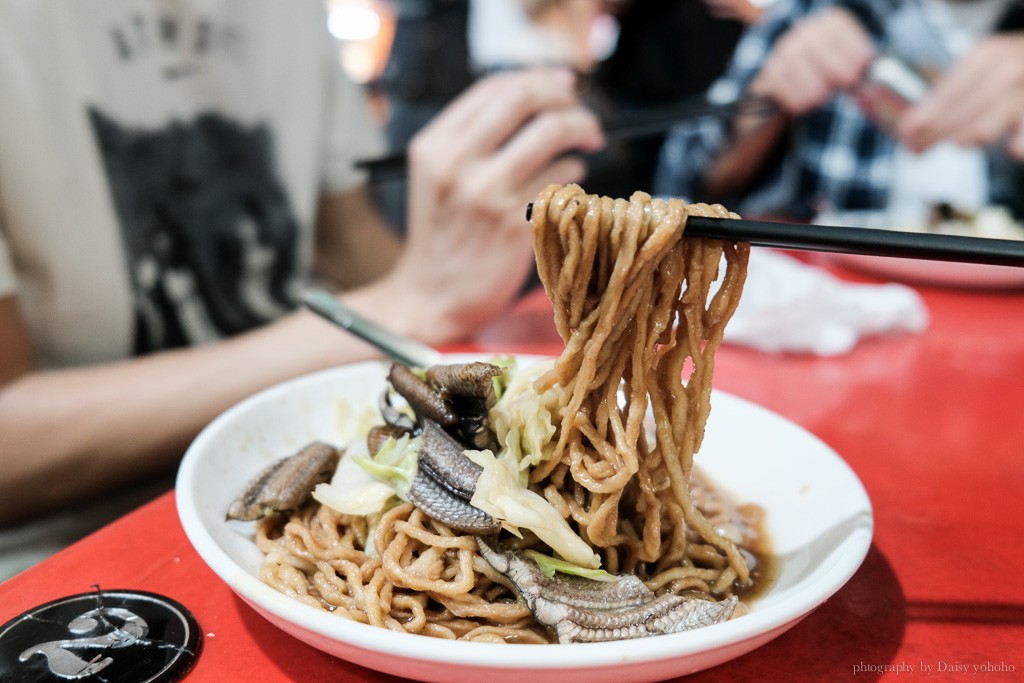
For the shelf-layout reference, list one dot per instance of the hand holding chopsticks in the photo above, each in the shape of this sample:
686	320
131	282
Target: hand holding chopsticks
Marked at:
393	167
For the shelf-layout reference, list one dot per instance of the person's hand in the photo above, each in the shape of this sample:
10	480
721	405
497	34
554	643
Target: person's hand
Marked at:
978	102
473	170
819	56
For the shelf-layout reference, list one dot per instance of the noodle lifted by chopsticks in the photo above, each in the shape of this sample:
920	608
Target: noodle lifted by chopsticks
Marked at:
634	304
631	301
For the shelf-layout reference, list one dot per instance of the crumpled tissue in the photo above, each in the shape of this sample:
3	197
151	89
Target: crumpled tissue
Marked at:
791	306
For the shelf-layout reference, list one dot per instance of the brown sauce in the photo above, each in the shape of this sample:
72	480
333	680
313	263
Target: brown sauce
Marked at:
763	576
750	520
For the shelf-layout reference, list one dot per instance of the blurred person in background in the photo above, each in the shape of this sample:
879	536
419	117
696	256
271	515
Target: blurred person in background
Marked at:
962	142
514	34
505	35
667	53
170	178
440	47
636	60
427	67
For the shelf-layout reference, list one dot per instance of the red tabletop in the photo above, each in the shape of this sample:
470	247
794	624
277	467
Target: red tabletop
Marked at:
933	424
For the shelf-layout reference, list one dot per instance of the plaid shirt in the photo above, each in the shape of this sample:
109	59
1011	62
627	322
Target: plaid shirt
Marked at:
835	159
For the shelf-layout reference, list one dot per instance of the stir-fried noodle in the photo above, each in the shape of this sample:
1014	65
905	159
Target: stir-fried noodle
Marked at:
641	320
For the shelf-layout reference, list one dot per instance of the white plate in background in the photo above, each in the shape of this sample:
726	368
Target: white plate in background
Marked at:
909	270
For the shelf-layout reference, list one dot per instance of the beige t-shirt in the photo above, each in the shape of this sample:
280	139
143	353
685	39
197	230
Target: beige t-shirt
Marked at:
160	163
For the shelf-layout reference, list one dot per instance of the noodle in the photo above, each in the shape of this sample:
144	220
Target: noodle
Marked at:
633	302
427	580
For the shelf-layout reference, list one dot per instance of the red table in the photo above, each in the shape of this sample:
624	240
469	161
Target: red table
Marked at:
933	424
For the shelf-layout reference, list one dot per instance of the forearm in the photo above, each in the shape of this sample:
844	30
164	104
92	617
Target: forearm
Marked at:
354	246
69	434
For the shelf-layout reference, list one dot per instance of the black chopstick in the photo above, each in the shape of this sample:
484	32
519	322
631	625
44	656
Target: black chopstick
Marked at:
848	240
867	241
393	166
662	120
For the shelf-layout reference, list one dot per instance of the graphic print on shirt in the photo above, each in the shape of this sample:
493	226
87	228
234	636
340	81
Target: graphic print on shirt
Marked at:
208	230
178	43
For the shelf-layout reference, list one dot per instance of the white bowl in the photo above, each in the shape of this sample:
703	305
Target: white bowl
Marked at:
818	516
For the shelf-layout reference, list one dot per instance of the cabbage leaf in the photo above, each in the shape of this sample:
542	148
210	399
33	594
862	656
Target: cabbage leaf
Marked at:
365	485
549	565
501	494
394	464
523	419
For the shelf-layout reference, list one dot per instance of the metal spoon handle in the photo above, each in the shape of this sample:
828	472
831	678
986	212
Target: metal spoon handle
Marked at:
402	349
